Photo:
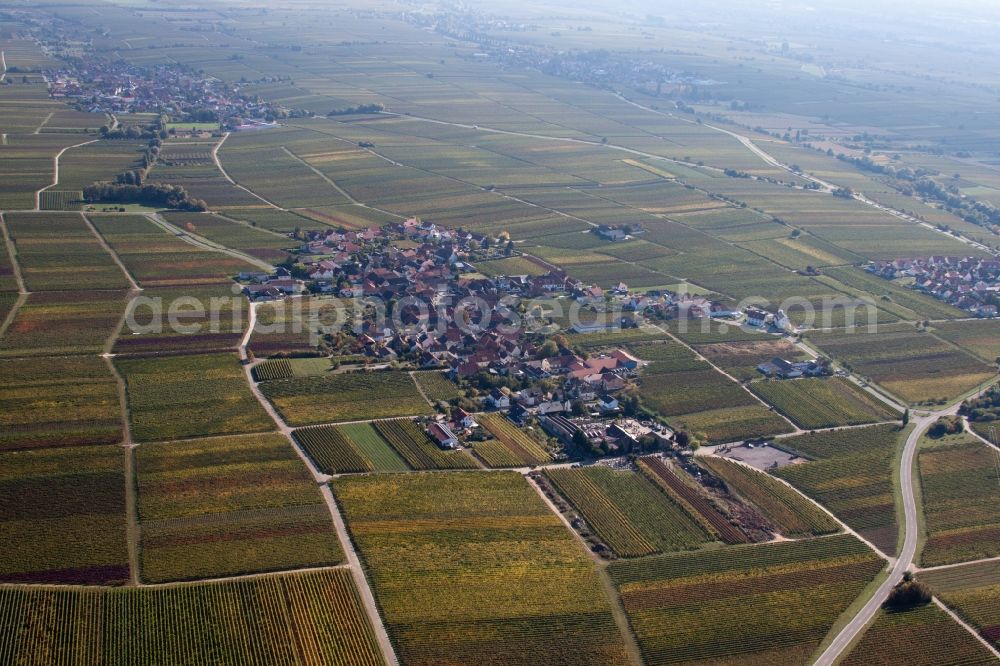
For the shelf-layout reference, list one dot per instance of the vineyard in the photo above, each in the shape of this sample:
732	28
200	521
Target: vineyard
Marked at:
63	323
227	506
62	516
436	386
190	396
851	475
58	251
212	333
65	401
695	396
914	365
68	200
356	396
693	501
308	618
411	442
283	326
473	568
973	592
924	636
775	601
629	513
279	368
157	258
791	513
522	446
331	450
814	403
961	500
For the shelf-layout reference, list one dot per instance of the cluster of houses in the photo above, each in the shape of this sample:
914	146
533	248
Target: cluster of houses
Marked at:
611	436
971	284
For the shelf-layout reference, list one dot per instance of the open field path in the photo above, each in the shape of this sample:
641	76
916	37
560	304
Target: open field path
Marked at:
322	480
55	171
38	130
114	255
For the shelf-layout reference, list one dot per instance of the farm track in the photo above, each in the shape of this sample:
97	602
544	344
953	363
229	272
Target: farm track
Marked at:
132	531
38	130
601	565
55	171
22	289
114	255
322	480
962	623
229	179
205	244
975	434
337	187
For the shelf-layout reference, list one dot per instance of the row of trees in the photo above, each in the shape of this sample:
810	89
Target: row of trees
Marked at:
158	195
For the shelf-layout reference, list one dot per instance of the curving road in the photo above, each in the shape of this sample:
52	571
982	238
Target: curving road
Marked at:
907	553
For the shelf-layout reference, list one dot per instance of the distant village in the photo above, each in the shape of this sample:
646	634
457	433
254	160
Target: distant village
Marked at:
971	284
96	85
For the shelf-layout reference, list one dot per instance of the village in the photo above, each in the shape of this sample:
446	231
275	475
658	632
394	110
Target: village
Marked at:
971	284
499	338
99	85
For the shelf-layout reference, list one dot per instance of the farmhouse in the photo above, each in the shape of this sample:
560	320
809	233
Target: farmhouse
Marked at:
783	369
443	436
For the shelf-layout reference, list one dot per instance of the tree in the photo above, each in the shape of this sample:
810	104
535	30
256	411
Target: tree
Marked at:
906	416
547	350
908	594
682	438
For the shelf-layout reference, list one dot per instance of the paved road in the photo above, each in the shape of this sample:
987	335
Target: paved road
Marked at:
907	553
